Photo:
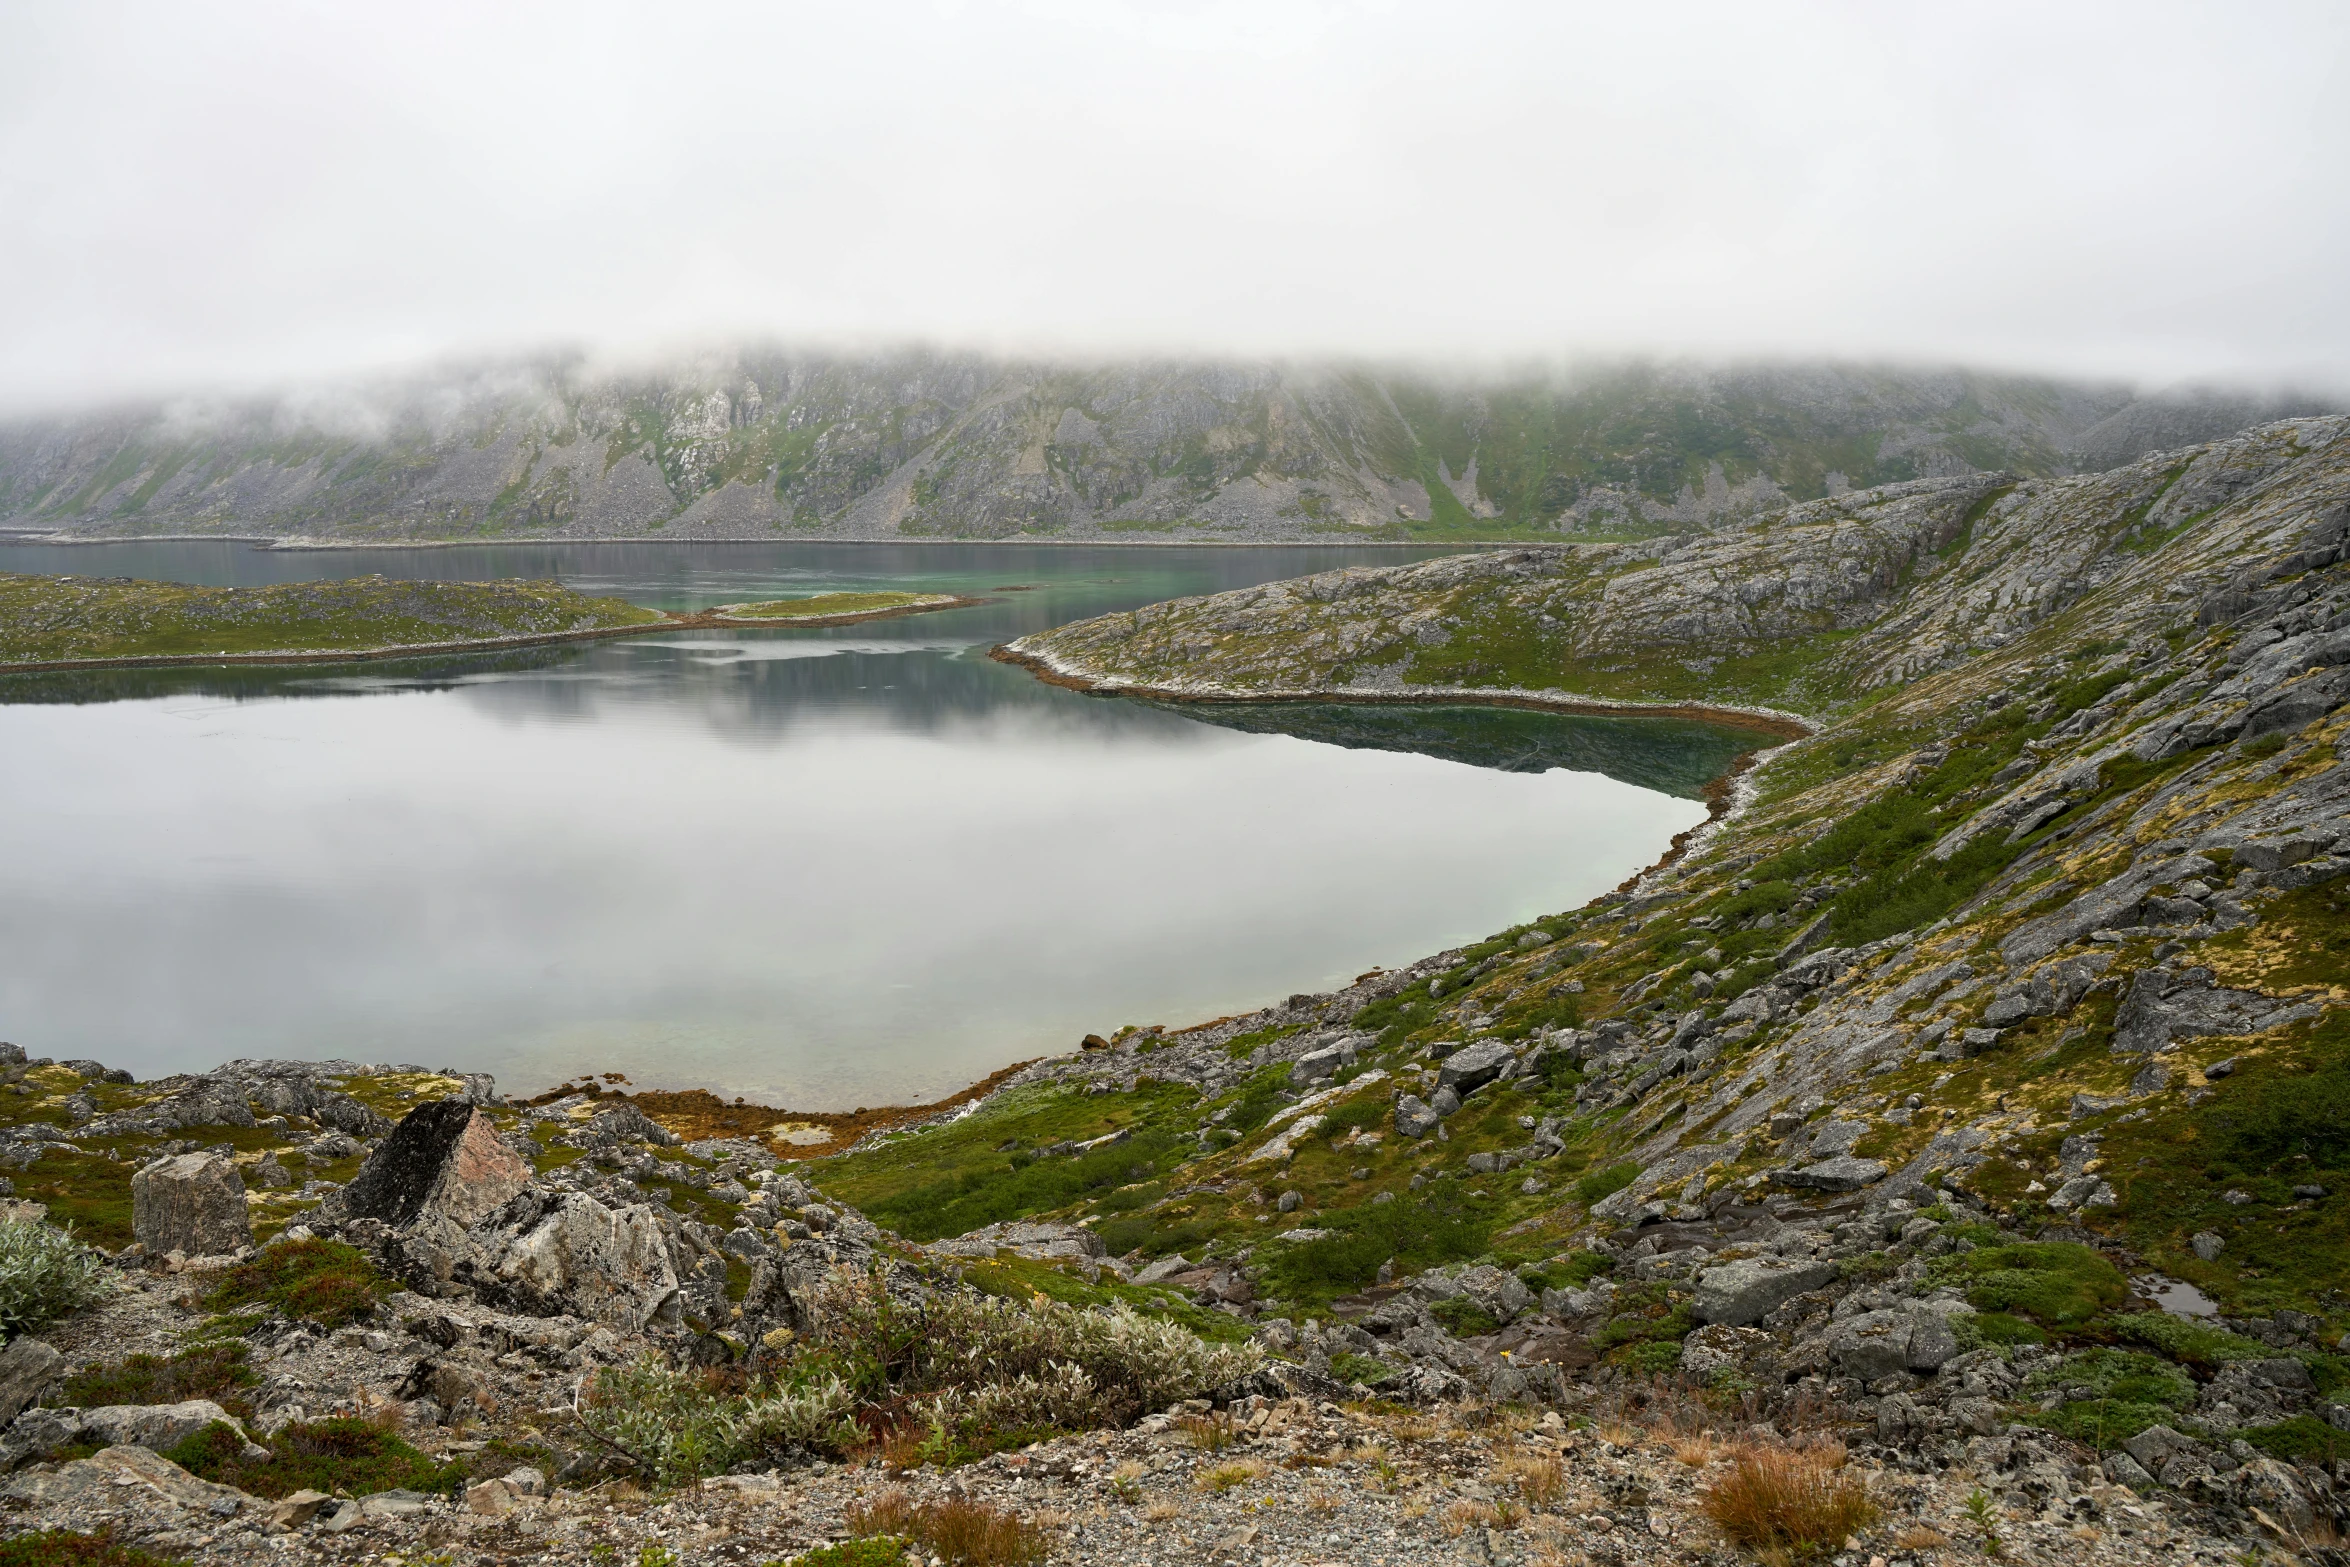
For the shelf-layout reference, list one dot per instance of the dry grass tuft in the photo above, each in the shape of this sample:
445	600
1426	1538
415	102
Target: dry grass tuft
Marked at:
1414	1428
1918	1537
1462	1516
964	1532
1322	1501
1699	1448
1209	1433
1162	1511
1791	1501
1541	1481
1225	1476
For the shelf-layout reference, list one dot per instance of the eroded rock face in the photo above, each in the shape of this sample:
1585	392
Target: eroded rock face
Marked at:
29	1371
444	1159
587	1260
192	1203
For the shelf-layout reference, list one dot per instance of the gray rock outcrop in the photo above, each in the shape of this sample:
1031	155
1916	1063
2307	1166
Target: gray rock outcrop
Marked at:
191	1203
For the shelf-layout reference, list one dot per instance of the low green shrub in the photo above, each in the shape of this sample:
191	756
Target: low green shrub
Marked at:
2185	1340
1572	1271
1369	1370
1602	1184
1976	1329
64	1548
2058	1284
1464	1318
1649	1357
218	1371
44	1275
2129	1391
1419	1230
2302	1439
323	1281
880	1550
353	1457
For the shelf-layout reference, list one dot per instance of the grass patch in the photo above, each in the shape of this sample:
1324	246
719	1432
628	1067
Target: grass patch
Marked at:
2302	1439
1602	1184
322	1281
2128	1390
353	1457
1464	1318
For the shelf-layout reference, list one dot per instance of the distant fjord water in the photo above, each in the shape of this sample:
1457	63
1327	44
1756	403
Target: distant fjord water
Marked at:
824	868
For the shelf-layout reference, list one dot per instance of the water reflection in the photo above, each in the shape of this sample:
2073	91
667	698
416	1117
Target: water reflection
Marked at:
828	869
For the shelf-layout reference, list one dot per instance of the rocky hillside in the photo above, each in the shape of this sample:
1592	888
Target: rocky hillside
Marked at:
767	443
1948	1148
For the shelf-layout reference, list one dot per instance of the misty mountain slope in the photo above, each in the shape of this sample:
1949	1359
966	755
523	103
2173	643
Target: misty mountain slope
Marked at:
773	444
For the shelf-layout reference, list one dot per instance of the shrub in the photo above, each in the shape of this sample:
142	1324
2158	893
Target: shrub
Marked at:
975	1371
2058	1283
1601	1184
2302	1439
1464	1318
1777	1499
353	1457
966	1533
64	1548
877	1551
1976	1329
45	1275
1418	1231
324	1281
216	1371
1369	1370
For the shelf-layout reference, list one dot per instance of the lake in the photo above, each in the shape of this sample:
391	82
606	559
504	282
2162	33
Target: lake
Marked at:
823	868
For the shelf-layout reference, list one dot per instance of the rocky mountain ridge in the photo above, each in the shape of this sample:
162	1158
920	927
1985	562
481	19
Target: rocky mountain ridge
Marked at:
766	443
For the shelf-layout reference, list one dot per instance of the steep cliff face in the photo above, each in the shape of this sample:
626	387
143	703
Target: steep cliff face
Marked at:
2049	911
770	443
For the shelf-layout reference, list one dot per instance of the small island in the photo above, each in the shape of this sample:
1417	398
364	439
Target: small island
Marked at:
832	609
74	622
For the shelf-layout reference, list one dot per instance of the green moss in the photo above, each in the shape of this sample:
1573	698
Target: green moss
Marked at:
1602	1184
1464	1318
2185	1340
352	1457
2059	1284
1368	1370
1418	1231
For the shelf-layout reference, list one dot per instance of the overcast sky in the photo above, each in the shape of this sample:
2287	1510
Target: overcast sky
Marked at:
199	194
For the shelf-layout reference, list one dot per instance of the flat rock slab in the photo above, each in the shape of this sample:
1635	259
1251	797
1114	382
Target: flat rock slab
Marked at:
1840	1174
1749	1290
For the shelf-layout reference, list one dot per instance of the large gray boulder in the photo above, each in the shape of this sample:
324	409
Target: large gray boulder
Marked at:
1878	1343
444	1160
193	1203
1751	1289
1473	1066
36	1433
1414	1117
583	1259
29	1371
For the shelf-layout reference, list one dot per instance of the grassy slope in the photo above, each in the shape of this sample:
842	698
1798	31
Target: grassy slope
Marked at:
55	618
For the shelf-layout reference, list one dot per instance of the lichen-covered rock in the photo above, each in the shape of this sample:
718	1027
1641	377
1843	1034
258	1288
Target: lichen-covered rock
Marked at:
192	1203
1750	1289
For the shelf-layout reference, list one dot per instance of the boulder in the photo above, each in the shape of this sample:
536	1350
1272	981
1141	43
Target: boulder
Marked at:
1843	1173
583	1259
1446	1102
1316	1065
444	1159
1878	1343
29	1371
1414	1118
1472	1067
1749	1290
192	1203
154	1426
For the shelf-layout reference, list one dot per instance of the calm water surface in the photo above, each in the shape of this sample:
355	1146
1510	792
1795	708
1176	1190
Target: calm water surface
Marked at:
825	868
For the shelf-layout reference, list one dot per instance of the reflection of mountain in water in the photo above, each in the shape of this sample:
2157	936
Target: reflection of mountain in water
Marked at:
739	688
1676	756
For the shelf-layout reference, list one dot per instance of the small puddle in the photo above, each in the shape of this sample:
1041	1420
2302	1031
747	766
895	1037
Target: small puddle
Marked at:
2178	1297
